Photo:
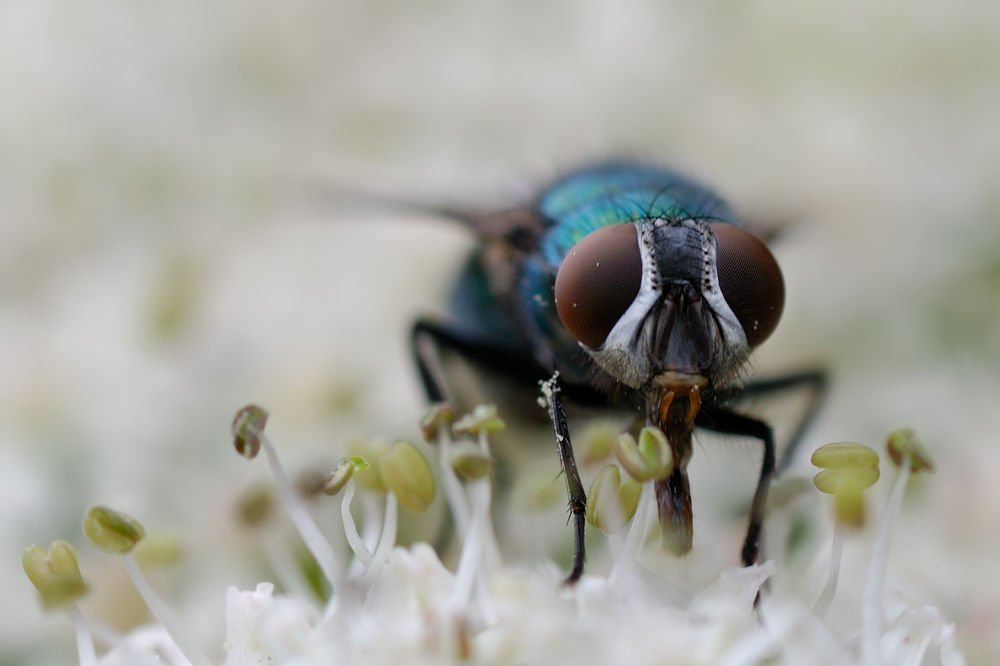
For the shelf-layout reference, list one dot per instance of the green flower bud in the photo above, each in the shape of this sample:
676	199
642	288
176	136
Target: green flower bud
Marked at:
55	574
111	530
650	458
247	428
439	414
848	469
904	444
406	472
829	481
470	461
611	503
342	473
482	419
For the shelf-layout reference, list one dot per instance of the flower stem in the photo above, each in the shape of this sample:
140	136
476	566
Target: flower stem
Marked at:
317	544
633	543
286	568
836	551
386	542
351	530
871	609
452	486
163	614
84	641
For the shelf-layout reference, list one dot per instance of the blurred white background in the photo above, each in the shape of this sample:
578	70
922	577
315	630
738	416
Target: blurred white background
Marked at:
157	269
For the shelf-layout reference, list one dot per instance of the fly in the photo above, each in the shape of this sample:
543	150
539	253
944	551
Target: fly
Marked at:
638	289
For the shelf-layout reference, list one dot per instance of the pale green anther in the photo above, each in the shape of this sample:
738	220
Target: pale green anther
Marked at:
482	419
439	414
159	550
342	473
611	503
829	481
847	470
470	461
247	428
649	458
904	444
597	442
112	530
845	455
55	574
406	472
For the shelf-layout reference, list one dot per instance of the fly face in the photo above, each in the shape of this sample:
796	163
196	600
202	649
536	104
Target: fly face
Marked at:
637	286
653	296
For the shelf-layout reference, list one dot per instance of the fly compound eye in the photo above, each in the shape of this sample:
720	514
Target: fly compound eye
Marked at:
750	281
597	282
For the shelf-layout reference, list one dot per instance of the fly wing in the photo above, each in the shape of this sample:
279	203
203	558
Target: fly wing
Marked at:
521	226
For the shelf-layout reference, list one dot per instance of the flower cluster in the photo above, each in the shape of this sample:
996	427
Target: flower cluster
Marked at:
395	605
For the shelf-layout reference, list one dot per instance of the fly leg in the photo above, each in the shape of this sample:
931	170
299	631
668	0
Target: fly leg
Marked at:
816	381
428	338
577	496
727	422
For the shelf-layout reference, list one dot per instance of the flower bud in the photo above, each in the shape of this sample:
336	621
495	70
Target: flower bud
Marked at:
439	414
111	530
470	461
844	455
247	428
650	458
904	444
830	480
611	503
406	472
848	469
55	574
482	419
342	473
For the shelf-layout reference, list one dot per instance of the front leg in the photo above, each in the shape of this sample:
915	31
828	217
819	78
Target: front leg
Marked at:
727	422
577	496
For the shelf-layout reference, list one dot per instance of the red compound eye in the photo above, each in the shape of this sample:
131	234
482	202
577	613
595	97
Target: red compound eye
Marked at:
597	282
750	280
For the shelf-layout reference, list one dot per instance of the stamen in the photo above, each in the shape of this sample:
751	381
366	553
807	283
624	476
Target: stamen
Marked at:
909	454
116	532
249	438
847	470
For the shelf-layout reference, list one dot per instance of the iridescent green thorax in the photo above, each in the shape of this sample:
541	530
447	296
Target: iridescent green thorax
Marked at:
616	193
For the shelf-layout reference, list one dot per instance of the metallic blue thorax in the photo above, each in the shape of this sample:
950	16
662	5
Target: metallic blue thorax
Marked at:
525	317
